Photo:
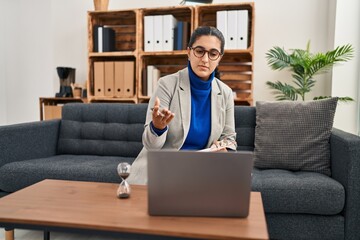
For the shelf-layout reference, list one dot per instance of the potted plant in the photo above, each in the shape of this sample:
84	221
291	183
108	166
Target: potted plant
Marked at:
304	65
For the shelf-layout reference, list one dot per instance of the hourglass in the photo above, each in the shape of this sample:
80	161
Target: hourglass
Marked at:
124	189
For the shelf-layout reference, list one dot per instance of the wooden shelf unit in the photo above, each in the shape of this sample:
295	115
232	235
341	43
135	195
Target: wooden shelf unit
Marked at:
236	67
125	24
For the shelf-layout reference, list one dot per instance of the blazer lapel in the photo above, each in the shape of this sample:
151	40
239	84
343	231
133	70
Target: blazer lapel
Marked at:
215	111
185	101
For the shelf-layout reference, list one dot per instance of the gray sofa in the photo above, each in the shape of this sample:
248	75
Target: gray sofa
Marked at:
91	139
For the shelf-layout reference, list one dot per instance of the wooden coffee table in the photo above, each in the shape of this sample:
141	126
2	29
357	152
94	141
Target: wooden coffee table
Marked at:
56	205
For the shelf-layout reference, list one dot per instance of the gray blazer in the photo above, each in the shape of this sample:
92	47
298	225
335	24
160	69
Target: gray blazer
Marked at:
174	93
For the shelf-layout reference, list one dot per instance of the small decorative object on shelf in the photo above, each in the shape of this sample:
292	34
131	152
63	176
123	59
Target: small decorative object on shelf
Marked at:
124	189
101	5
67	77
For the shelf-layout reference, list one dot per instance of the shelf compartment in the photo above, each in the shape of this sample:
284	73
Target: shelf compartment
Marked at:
167	64
181	13
90	82
123	22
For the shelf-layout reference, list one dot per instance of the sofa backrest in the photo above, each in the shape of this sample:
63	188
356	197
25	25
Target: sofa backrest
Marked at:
105	129
245	122
115	129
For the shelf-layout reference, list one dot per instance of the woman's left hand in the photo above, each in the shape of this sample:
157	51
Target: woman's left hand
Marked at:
218	146
161	117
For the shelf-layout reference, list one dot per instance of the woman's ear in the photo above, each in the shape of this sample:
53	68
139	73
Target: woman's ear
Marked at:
188	52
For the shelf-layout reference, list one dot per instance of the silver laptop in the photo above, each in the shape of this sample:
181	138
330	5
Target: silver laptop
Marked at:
189	183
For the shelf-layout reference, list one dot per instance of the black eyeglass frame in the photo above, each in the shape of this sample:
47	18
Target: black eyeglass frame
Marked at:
206	51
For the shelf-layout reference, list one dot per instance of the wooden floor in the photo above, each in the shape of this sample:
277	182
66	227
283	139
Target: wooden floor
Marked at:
38	235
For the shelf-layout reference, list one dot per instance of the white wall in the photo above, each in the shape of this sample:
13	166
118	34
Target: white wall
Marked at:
3	110
54	33
28	58
347	76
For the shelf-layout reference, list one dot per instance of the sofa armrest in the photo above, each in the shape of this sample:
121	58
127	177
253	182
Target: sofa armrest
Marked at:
345	168
28	140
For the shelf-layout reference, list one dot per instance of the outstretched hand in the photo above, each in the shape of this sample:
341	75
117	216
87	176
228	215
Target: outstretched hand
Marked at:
161	117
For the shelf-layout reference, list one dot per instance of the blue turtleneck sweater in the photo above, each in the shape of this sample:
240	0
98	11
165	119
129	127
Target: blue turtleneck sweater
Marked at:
200	120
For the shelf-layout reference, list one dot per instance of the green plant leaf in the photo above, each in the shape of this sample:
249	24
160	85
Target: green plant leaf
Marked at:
278	58
283	91
323	62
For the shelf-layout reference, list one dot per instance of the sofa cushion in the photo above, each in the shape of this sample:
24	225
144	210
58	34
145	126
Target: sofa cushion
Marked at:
285	191
294	135
17	175
245	127
104	129
305	226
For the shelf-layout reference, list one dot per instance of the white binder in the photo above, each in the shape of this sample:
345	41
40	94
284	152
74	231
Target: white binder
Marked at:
169	24
158	32
149	73
231	40
155	78
100	39
148	33
221	24
243	27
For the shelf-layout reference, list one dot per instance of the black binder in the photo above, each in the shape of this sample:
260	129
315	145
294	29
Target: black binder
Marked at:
107	37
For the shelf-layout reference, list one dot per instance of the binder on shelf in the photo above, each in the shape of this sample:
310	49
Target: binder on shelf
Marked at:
169	25
232	26
158	33
119	81
108	39
155	78
148	33
178	36
149	78
243	27
221	24
186	35
95	38
109	79
98	79
129	80
104	39
144	82
100	38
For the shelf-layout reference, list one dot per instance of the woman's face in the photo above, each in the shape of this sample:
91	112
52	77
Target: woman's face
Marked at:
204	65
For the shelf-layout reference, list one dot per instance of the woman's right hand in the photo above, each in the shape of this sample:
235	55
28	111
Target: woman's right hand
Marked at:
161	117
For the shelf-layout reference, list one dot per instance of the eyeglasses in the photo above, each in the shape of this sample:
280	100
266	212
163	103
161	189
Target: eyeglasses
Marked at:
199	52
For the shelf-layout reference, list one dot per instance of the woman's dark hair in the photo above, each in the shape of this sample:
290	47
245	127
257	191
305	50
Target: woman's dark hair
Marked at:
217	73
207	31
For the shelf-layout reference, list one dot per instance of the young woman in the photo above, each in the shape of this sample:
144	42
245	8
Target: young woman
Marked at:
190	109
